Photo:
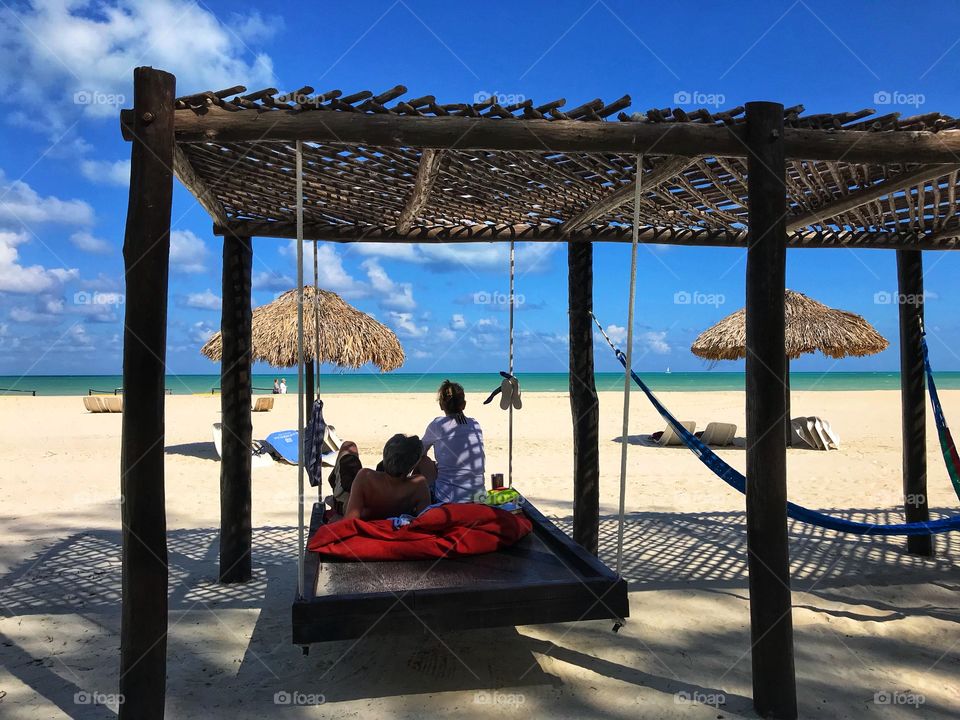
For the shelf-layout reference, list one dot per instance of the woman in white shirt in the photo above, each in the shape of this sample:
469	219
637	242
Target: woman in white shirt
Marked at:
457	443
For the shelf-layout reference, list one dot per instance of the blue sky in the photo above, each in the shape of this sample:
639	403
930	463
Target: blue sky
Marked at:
67	66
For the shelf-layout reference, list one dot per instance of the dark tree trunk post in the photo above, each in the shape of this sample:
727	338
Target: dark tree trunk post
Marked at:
583	398
912	398
146	255
235	391
771	625
309	390
788	431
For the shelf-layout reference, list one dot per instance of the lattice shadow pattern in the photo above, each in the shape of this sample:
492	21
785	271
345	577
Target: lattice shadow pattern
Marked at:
81	573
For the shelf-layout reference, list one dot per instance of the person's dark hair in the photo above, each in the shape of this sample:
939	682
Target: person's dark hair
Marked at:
452	399
401	454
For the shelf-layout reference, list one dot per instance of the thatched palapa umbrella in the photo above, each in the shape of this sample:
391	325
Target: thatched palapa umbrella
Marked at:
347	337
810	327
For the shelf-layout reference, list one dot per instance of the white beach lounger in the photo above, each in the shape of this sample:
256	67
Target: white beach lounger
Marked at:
814	433
263	404
92	404
258	460
670	438
718	434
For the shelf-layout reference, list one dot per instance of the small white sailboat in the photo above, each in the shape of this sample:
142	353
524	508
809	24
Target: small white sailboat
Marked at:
668	370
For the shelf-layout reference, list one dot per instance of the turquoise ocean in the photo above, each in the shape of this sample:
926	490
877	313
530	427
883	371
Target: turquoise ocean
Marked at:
472	382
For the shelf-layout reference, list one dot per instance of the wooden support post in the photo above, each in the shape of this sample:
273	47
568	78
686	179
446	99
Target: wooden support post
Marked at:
235	390
788	431
771	624
912	396
583	398
146	256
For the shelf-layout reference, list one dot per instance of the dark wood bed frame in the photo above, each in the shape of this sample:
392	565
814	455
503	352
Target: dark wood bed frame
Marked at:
545	578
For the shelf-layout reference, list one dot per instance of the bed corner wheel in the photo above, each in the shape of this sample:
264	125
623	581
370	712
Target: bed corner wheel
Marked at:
617	625
306	649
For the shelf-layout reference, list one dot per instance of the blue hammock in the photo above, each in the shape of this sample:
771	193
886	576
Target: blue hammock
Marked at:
736	479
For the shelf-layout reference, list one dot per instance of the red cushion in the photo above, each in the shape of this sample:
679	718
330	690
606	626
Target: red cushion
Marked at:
451	530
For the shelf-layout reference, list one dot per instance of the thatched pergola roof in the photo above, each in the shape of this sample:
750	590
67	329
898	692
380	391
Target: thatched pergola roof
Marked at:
384	167
348	337
811	326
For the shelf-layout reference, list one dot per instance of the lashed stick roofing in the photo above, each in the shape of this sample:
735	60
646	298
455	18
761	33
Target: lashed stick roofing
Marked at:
389	190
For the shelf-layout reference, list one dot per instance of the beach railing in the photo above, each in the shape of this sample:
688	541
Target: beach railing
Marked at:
15	390
117	391
215	390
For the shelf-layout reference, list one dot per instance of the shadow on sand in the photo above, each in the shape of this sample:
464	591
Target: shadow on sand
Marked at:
80	576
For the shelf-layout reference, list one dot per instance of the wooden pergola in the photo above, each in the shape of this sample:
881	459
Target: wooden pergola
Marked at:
380	168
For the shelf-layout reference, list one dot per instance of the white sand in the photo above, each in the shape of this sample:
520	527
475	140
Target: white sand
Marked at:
868	618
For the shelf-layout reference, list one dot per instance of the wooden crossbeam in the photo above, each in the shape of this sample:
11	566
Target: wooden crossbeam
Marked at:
713	237
941	236
667	169
869	194
427	173
670	138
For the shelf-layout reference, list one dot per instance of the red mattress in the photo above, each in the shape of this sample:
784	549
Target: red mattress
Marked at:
451	530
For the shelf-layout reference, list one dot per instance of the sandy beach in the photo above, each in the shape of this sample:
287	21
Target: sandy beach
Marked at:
876	629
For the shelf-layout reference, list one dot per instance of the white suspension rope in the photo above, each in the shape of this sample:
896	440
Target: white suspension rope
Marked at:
300	388
510	370
627	385
316	323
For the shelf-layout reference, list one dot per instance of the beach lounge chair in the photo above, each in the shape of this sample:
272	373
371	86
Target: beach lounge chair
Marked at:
718	434
814	433
92	404
669	438
112	404
263	404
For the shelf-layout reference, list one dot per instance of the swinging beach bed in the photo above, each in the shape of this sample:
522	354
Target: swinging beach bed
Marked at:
377	168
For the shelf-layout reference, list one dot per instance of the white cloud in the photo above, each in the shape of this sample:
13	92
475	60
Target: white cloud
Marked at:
20	203
104	172
331	273
188	253
90	243
255	27
72	57
271	280
201	331
457	322
398	296
617	333
206	300
655	341
17	278
404	324
440	257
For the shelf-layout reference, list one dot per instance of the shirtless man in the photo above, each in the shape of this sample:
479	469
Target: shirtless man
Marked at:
402	487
